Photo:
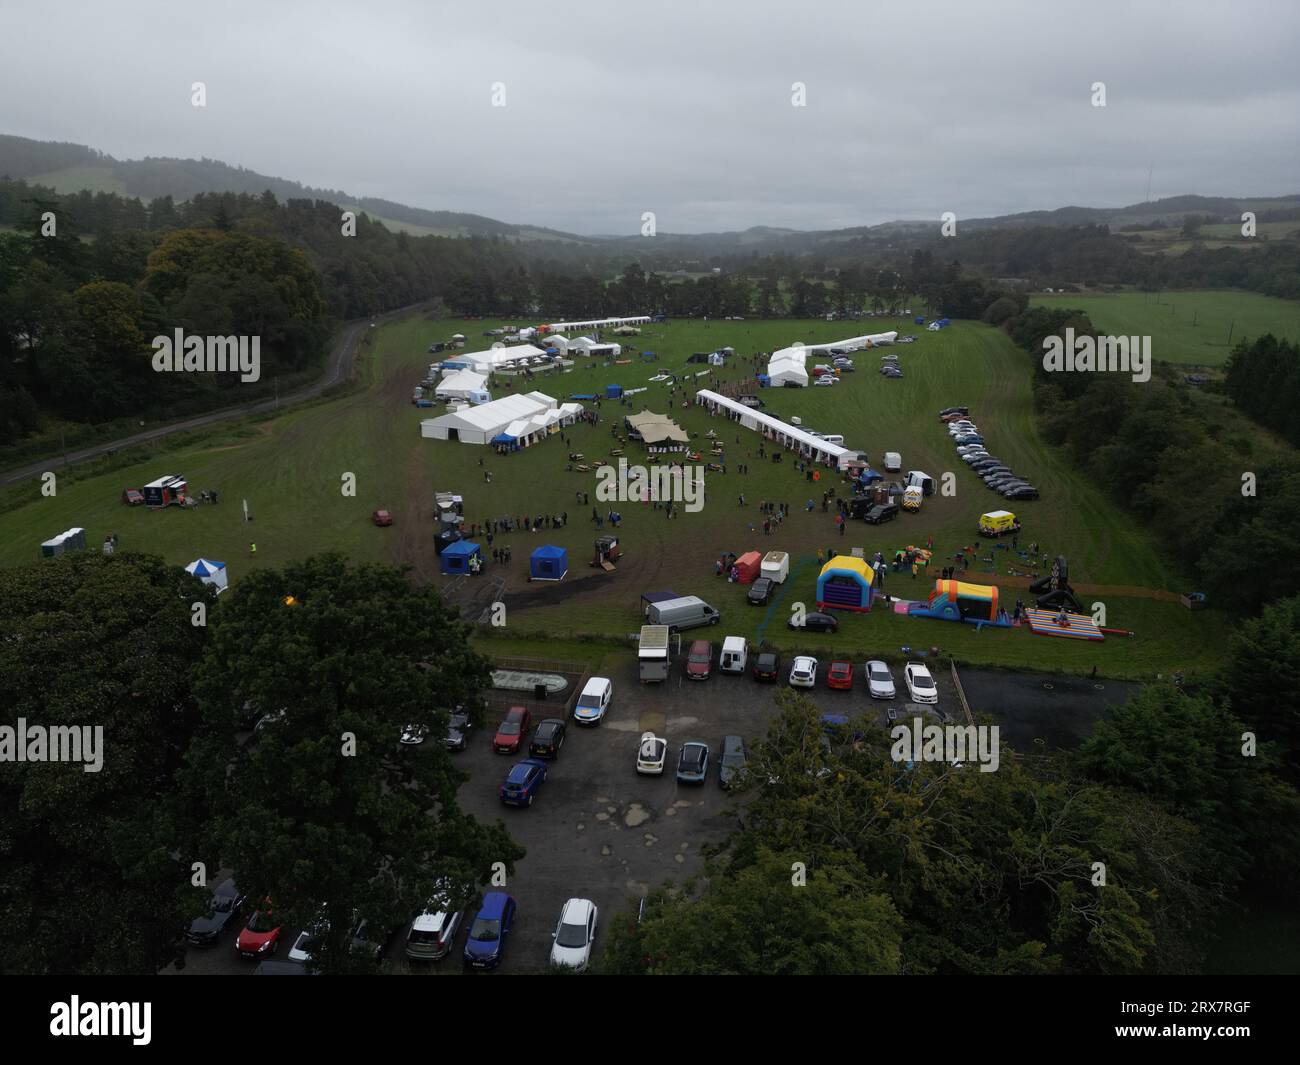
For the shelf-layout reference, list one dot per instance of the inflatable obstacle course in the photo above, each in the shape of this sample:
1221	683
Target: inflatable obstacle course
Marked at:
1072	626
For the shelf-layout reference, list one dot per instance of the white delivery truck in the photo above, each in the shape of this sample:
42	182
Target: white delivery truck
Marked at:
652	653
735	654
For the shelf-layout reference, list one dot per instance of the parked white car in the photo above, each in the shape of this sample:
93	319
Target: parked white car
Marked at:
434	930
651	754
920	685
826	379
574	935
880	682
803	672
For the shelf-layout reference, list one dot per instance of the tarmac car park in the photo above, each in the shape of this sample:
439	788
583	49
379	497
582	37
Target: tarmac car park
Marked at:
605	829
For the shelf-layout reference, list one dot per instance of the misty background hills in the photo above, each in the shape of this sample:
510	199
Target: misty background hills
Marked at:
68	168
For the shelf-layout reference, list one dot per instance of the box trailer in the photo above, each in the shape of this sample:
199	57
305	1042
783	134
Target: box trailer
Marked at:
164	492
652	653
776	566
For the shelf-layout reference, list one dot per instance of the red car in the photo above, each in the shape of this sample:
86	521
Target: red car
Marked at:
133	497
260	936
699	660
840	675
381	517
511	733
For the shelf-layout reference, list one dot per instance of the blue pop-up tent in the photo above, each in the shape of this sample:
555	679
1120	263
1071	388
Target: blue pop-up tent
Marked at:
548	563
209	572
613	391
456	557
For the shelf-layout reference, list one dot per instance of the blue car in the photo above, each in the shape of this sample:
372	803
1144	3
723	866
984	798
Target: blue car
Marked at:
522	782
487	935
693	763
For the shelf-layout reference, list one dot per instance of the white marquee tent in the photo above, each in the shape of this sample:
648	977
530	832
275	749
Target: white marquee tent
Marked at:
478	425
786	435
588	346
460	384
788	366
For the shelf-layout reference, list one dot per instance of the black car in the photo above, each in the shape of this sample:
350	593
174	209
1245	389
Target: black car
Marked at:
1025	491
547	739
732	761
882	512
767	666
760	591
987	463
458	729
224	907
817	622
953	410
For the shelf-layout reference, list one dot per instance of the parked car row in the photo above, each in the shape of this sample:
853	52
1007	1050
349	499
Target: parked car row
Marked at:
971	448
693	759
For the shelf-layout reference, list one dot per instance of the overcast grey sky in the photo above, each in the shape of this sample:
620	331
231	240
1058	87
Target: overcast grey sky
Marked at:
681	108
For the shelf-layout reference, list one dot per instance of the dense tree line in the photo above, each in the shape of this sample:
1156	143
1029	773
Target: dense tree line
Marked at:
97	870
1263	379
1222	503
851	862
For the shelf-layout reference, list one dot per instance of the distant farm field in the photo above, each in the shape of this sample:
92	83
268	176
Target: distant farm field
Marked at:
292	470
1193	328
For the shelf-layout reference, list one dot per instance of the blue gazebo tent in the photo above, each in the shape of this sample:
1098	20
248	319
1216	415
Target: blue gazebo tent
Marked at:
210	572
456	557
613	391
548	563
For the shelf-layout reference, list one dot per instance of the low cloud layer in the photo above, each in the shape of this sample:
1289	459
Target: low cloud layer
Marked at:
684	109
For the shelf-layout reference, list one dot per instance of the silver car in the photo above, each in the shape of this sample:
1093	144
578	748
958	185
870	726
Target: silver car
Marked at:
880	682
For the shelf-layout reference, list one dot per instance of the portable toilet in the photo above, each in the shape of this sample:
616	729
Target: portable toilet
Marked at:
68	540
613	391
456	557
775	566
548	563
747	566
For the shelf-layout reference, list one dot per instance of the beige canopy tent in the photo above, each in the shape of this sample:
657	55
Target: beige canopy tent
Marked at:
657	428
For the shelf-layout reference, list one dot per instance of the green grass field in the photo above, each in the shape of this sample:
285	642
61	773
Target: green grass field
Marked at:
1187	327
290	470
88	176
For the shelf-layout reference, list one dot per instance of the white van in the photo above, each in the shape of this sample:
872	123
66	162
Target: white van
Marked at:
893	461
594	701
834	438
735	653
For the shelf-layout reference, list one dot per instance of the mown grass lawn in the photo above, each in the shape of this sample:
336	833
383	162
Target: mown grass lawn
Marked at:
291	469
1187	327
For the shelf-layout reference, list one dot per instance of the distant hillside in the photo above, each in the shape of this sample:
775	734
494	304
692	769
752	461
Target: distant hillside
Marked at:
72	167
